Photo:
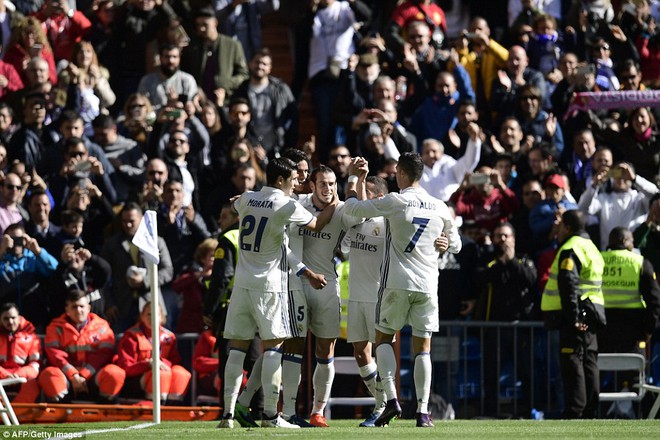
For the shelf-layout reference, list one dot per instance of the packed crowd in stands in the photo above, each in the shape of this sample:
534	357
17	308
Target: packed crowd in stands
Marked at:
109	108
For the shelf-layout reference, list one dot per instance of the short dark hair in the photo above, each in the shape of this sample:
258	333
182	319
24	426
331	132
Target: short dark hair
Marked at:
574	220
505	225
263	52
380	184
74	295
73	142
322	169
130	206
7	307
236	100
69	216
504	156
14	227
166	47
36	193
411	165
295	155
617	237
279	167
103	121
68	116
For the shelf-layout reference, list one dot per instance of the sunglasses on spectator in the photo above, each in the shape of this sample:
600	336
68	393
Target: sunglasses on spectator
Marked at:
11	187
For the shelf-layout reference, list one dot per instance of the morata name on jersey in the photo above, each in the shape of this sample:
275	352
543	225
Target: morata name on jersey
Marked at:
266	204
421	204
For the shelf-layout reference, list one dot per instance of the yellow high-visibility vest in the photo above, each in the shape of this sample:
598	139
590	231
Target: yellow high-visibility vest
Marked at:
343	270
591	273
621	280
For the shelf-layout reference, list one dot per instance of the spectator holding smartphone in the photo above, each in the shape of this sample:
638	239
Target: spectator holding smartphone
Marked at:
23	266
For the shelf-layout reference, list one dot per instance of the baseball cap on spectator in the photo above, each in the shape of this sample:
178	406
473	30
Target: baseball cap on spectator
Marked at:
367	59
556	180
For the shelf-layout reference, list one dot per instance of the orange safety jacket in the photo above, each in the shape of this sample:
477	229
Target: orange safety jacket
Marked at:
20	352
84	351
135	347
205	356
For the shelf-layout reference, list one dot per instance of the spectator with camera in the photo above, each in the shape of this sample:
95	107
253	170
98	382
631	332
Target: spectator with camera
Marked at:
180	225
354	103
151	195
484	197
624	205
78	167
80	270
96	210
24	265
482	57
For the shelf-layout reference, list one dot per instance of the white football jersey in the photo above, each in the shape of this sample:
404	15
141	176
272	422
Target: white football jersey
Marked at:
365	243
319	247
413	221
264	216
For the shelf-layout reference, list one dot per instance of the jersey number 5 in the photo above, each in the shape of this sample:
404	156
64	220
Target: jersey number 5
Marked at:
422	222
247	228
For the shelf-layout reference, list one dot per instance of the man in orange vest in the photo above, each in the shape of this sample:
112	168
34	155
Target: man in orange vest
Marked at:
135	351
20	352
79	349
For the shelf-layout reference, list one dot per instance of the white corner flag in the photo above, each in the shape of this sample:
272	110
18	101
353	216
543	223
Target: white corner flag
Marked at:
146	237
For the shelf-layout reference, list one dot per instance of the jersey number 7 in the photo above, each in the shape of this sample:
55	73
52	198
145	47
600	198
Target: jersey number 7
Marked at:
247	228
422	222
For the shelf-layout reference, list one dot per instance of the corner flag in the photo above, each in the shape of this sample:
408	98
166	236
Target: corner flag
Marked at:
146	237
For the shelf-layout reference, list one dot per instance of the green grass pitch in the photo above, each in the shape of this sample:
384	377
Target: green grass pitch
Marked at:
347	429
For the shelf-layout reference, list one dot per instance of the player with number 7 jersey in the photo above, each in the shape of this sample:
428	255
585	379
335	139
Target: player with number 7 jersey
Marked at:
408	292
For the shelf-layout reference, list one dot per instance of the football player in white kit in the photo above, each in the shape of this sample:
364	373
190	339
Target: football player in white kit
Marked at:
365	248
259	297
409	281
320	311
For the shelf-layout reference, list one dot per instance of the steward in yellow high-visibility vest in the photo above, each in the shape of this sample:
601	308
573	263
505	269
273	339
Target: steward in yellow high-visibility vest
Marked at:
572	302
632	297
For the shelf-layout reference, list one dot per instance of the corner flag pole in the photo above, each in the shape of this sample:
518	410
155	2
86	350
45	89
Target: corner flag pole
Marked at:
155	342
146	239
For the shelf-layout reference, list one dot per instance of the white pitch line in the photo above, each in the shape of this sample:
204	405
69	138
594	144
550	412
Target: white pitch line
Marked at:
102	431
